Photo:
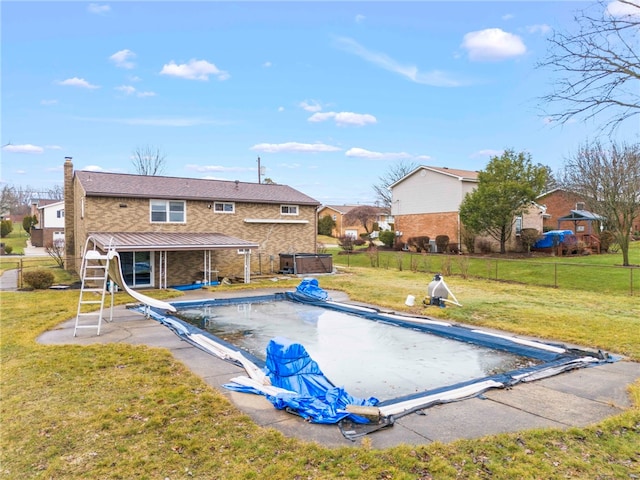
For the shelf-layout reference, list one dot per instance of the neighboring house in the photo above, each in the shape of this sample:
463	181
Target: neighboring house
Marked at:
426	202
50	226
341	229
176	231
559	203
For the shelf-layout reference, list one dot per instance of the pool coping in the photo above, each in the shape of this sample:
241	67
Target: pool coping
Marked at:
574	399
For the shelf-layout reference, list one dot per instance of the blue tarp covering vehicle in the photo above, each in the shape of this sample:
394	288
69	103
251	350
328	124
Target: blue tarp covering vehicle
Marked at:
553	238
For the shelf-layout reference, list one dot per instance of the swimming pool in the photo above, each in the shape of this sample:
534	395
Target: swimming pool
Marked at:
367	358
530	360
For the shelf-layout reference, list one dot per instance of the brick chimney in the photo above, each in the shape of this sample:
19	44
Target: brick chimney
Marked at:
69	217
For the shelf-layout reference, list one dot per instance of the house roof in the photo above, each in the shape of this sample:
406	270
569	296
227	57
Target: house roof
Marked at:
462	175
129	241
344	209
51	204
103	184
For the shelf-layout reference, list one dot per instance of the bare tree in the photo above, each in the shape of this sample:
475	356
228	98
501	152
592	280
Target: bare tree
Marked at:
56	192
394	173
364	215
609	181
598	65
148	160
55	250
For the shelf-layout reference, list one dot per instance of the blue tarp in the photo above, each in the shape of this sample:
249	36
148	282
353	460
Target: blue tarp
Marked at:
316	399
553	238
309	287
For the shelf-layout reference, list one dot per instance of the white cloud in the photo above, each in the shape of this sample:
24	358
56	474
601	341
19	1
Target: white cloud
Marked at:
310	105
620	9
344	118
123	59
362	153
434	78
25	148
492	44
98	9
53	147
360	18
294	147
266	64
194	70
281	109
94	168
508	16
126	89
542	28
130	90
48	102
487	153
77	82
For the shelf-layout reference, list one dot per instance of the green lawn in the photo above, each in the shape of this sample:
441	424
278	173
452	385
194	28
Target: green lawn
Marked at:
125	411
17	239
599	274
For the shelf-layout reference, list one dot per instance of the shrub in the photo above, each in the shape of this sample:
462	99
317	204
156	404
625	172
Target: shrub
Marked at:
528	237
6	227
28	222
387	237
8	249
38	279
606	240
442	242
468	239
421	244
325	225
485	246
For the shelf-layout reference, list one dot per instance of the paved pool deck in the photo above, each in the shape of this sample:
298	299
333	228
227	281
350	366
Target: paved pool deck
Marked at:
573	399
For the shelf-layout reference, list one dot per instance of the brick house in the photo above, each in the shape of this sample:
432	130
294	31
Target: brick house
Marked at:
426	202
50	226
559	203
173	231
341	229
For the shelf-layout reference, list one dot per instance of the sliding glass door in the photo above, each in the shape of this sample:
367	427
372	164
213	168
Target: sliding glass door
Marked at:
137	268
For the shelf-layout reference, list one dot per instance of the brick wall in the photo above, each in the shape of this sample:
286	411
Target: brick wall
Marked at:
428	224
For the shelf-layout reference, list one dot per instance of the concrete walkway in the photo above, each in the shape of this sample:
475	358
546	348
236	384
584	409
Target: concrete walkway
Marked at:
577	398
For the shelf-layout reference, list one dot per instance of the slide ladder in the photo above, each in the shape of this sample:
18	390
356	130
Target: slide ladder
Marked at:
94	275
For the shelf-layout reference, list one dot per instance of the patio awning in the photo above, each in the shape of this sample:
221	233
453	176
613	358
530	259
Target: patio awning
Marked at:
152	241
577	215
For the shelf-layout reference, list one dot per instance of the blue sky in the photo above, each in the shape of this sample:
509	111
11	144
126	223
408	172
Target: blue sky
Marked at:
328	94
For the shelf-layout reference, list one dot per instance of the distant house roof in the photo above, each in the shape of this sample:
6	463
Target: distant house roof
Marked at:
127	241
462	175
344	209
146	186
43	202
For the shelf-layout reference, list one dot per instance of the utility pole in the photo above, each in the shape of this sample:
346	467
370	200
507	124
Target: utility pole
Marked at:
260	171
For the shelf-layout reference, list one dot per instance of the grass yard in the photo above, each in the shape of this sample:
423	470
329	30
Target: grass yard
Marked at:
124	411
17	239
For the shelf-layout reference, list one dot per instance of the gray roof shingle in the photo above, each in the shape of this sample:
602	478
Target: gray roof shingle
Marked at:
103	184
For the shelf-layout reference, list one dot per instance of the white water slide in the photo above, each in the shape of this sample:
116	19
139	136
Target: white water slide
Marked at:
115	274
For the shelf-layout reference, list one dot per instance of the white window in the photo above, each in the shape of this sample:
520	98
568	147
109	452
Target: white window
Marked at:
518	225
60	213
168	211
224	207
288	209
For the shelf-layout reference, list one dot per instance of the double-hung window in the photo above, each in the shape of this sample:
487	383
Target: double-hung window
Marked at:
168	211
288	209
224	207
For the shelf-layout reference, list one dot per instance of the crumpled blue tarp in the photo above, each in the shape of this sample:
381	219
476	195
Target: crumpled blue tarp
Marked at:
310	288
553	238
316	399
